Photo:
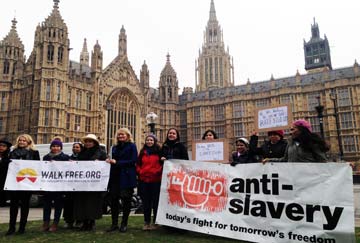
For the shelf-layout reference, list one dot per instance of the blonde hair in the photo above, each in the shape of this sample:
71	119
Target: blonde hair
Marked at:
28	139
127	132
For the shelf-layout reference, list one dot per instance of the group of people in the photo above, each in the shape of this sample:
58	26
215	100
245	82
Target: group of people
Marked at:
130	169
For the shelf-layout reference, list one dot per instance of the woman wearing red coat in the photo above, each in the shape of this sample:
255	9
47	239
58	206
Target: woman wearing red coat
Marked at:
149	169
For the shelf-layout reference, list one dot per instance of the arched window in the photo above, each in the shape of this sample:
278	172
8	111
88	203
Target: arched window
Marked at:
123	111
6	67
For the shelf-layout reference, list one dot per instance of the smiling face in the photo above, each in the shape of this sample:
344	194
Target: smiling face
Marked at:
55	149
89	143
149	141
172	135
209	136
122	136
22	142
241	147
76	148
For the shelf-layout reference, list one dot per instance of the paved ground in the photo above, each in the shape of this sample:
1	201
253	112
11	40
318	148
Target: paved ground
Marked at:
36	214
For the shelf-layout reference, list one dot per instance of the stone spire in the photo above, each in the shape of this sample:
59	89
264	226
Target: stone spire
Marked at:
212	12
84	55
122	43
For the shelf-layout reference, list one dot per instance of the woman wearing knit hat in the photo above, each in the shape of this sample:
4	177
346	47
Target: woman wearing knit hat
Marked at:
149	170
274	147
242	154
304	145
55	154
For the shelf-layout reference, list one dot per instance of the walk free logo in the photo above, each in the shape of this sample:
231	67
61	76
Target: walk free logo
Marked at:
26	173
199	189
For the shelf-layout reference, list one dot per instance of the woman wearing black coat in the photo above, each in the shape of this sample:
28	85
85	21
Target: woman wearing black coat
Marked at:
275	147
172	148
23	150
4	165
88	205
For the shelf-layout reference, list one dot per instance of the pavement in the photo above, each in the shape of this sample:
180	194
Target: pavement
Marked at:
36	214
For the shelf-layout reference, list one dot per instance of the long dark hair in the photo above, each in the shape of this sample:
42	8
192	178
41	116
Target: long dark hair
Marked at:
212	132
177	136
308	139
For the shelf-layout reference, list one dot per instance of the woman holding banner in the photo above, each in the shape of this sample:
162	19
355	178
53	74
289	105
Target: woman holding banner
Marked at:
23	150
55	154
242	154
304	145
172	148
4	165
149	169
122	178
88	205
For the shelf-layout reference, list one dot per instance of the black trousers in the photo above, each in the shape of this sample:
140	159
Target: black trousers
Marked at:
149	193
125	195
22	199
68	212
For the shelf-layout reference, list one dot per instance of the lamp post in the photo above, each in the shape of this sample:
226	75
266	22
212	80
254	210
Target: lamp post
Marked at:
320	115
333	97
150	120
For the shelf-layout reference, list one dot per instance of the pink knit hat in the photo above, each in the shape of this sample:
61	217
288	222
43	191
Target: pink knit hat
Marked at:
303	123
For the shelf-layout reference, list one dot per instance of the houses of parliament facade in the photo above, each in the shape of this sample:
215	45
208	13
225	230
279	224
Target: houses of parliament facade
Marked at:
49	95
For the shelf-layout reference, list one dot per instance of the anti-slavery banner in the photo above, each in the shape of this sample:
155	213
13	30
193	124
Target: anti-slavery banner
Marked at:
280	202
33	175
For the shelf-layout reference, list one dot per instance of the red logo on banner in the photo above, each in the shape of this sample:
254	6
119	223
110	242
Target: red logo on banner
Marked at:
27	173
200	189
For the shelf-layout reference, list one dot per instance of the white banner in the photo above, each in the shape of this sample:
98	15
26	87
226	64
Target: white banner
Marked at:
34	175
280	202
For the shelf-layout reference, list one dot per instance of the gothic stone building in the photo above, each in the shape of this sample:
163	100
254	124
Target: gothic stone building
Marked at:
48	95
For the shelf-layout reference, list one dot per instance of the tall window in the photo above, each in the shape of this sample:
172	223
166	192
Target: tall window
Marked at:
50	53
78	99
219	112
197	114
87	124
344	97
69	98
1	125
57	118
3	101
220	129
77	123
238	109
239	130
262	103
58	91
349	144
88	101
60	54
6	67
315	125
313	101
197	133
46	117
48	90
67	121
346	120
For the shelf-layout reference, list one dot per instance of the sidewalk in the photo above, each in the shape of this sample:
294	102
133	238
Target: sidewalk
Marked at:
36	214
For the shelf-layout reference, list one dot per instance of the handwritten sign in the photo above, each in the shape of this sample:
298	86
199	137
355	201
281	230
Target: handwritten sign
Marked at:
273	118
211	151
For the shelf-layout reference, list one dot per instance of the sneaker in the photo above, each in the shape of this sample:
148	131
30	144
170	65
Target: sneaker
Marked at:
146	227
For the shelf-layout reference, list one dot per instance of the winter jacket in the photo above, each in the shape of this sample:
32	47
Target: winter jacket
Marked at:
149	167
59	157
123	172
244	158
295	153
174	150
25	154
268	150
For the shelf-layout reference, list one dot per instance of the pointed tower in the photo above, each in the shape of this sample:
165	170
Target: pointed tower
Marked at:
84	55
50	65
122	43
214	67
317	51
168	84
96	60
11	55
144	77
